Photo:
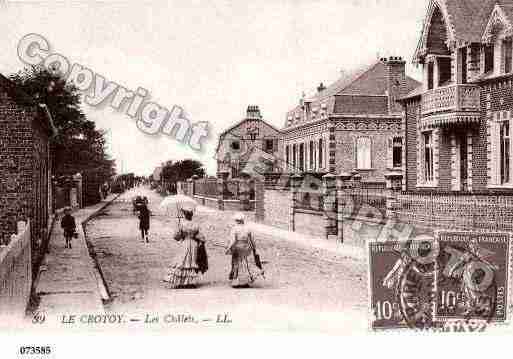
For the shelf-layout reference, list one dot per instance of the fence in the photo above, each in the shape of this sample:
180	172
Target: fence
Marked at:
16	274
456	211
311	201
209	188
206	188
277	180
371	194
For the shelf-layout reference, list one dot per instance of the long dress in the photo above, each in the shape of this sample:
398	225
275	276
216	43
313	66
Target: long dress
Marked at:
184	268
241	247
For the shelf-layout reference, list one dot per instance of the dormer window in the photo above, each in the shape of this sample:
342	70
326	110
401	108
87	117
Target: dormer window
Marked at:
235	145
444	71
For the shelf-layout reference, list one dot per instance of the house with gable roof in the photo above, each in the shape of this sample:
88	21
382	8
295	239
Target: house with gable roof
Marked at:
352	125
251	145
458	123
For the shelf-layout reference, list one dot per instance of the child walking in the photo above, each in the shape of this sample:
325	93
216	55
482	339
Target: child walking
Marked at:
69	226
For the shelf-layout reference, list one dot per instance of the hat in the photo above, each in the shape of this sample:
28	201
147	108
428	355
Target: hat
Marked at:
187	206
239	217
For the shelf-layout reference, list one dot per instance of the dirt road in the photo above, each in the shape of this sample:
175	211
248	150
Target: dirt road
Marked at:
305	288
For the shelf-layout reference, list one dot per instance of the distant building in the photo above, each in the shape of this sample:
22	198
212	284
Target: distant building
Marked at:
458	122
352	125
242	146
25	163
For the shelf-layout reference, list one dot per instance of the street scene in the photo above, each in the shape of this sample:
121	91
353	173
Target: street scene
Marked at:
297	277
329	167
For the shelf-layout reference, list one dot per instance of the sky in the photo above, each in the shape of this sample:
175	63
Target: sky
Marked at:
212	58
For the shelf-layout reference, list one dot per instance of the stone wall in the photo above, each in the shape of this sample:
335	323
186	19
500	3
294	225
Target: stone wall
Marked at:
309	222
277	207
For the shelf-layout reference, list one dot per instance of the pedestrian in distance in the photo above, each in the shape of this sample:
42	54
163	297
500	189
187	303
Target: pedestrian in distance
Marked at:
241	246
69	226
144	222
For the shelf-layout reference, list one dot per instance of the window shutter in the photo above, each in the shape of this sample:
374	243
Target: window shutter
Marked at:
495	149
390	153
357	164
421	159
510	146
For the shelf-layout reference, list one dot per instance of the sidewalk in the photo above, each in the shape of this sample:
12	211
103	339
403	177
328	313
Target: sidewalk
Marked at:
345	250
68	280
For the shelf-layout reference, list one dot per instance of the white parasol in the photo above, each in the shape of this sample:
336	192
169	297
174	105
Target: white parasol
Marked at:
176	203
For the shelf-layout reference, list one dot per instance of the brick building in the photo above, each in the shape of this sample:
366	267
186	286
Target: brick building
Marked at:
458	123
352	125
248	141
25	169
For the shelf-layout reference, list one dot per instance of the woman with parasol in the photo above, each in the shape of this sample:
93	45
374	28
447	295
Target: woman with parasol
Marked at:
186	265
241	246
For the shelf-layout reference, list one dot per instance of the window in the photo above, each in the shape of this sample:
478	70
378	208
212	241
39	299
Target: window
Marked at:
311	155
269	146
505	152
444	71
235	145
397	152
320	153
488	58
507	50
431	75
287	154
464	69
235	171
363	153
294	156
302	157
429	173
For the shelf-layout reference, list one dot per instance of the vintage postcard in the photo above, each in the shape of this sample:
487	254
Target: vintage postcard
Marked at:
316	166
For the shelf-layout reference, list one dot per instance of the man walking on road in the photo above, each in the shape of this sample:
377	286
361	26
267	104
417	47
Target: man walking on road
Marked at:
144	221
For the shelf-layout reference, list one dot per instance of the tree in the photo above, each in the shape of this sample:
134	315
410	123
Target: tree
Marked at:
182	170
78	146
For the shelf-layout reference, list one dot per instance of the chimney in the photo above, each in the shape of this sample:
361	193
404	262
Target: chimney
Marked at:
396	81
253	112
321	87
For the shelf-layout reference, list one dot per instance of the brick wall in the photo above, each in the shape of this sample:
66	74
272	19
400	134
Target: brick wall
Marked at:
410	143
23	168
346	152
496	95
40	158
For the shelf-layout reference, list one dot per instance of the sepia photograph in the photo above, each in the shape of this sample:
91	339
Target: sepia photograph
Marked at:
216	167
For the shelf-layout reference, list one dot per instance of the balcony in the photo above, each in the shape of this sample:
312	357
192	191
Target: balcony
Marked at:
451	98
450	104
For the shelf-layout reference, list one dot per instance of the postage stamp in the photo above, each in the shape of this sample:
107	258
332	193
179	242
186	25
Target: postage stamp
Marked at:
401	283
472	276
